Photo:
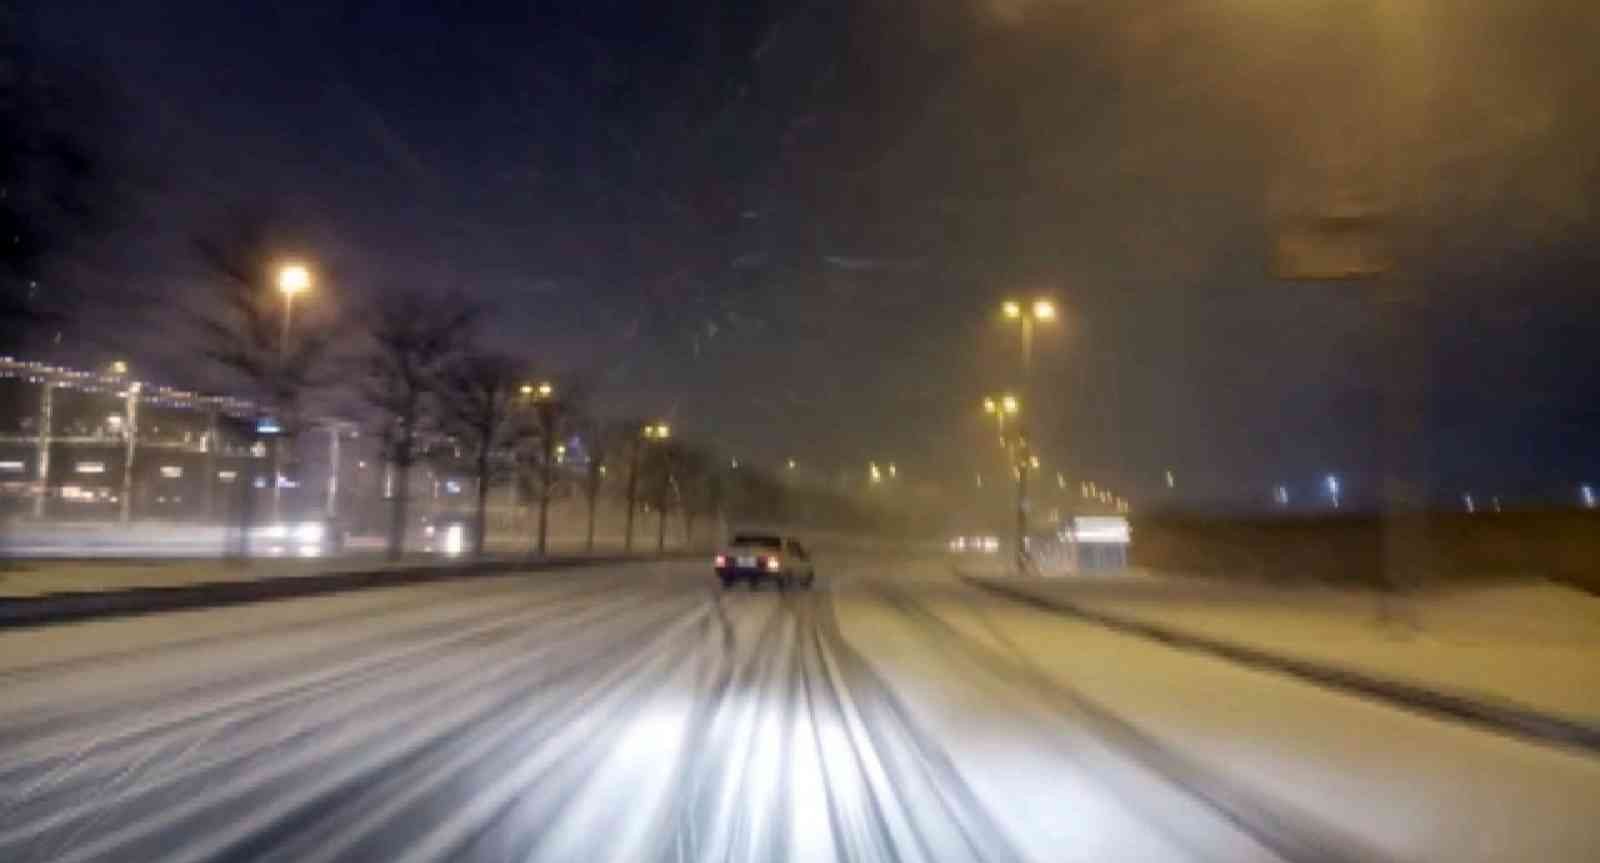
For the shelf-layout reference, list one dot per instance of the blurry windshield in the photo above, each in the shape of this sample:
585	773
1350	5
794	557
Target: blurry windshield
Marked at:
1190	410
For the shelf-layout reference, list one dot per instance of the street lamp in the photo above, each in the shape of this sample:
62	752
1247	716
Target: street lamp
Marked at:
1001	407
649	432
292	279
1018	459
1041	311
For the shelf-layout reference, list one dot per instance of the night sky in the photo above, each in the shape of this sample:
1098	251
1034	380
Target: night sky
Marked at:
787	226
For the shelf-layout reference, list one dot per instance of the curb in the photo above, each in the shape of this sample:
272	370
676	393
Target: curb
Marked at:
56	608
1500	717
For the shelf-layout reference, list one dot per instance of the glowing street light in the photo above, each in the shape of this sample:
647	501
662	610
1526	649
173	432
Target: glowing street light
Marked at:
873	473
791	464
293	278
119	367
657	431
1042	310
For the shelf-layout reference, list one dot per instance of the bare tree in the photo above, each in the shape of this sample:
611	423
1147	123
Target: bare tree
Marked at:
479	395
699	487
412	343
605	442
242	328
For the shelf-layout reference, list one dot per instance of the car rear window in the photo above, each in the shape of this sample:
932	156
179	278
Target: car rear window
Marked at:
761	540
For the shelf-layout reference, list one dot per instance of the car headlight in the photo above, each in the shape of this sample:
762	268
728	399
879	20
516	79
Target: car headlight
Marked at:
455	539
311	531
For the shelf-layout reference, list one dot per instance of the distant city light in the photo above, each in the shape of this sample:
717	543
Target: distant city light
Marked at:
733	463
1061	481
227	475
1467	500
1044	310
1332	485
1280	495
1586	492
790	464
1011	309
873	473
1171	480
119	367
893	471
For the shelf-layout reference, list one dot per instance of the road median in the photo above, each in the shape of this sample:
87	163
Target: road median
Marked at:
47	609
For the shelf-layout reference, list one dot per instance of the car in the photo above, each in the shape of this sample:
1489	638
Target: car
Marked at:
314	535
449	534
761	557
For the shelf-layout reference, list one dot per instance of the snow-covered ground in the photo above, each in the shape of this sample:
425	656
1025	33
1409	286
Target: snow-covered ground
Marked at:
1529	643
635	713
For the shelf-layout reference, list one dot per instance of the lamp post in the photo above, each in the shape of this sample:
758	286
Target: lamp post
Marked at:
656	431
293	279
1019	462
545	403
1027	315
1039	311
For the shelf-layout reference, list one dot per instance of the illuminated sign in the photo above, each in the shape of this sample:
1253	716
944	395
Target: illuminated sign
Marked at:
171	471
90	467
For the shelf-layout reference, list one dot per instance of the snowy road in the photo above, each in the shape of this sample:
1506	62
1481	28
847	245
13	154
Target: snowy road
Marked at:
633	713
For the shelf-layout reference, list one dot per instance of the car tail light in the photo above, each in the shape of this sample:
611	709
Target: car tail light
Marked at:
720	561
774	564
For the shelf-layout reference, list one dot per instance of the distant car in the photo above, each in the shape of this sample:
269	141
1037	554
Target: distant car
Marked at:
449	533
761	557
313	536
